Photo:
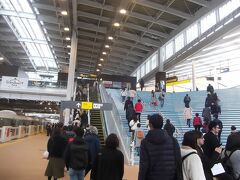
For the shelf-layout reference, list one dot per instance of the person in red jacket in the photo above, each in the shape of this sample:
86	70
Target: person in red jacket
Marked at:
197	122
138	109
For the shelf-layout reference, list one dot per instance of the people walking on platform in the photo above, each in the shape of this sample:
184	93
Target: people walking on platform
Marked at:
210	88
161	97
232	153
56	146
77	156
138	109
109	164
130	112
84	119
93	142
133	125
206	114
187	100
197	122
187	113
192	167
147	121
160	156
138	137
49	129
123	94
208	100
219	122
141	82
169	127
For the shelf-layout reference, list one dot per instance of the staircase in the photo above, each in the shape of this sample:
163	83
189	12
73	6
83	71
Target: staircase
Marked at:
95	116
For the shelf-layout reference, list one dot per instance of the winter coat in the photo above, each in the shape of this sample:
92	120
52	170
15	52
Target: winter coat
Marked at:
157	156
191	166
169	127
206	114
187	112
93	143
124	93
56	146
109	165
138	107
128	103
132	93
197	121
133	124
77	154
210	143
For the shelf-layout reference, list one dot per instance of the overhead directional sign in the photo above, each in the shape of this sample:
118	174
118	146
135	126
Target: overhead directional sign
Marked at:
86	105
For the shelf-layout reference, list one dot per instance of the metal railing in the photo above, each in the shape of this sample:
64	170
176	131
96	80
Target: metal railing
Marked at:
115	125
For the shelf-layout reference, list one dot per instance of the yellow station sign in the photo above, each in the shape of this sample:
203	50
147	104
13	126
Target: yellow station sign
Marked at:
87	105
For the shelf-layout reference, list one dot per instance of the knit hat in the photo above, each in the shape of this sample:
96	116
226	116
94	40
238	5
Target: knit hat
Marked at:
233	128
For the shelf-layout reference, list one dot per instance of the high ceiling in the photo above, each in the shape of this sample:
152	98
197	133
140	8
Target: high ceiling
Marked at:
147	25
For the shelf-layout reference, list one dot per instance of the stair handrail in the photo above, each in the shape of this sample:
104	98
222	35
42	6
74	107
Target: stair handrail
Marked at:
114	124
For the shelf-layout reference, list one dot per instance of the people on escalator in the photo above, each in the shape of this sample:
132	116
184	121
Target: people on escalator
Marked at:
84	119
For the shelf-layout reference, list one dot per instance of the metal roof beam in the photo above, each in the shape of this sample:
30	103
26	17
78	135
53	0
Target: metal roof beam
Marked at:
127	51
85	54
143	29
114	54
85	48
138	39
96	5
152	20
92	35
200	2
164	8
93	16
91	27
138	46
90	43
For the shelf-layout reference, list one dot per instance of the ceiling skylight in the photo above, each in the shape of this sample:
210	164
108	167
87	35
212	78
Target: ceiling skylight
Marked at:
29	33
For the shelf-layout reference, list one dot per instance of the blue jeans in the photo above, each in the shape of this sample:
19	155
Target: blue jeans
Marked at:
76	174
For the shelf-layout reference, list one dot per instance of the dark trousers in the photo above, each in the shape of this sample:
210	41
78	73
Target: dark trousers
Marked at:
189	122
138	116
197	127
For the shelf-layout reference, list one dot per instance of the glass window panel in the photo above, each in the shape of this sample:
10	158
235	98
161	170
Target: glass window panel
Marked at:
46	51
169	49
32	49
39	50
20	27
37	30
28	28
138	74
154	60
227	8
208	21
143	70
16	5
148	66
179	42
25	6
51	64
38	62
6	4
192	33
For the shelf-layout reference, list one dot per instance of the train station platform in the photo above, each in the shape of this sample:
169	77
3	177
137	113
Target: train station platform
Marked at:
22	160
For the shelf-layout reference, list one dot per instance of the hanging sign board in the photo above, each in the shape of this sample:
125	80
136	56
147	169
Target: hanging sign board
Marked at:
87	105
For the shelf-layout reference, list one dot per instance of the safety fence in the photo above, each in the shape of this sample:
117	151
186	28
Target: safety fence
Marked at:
8	133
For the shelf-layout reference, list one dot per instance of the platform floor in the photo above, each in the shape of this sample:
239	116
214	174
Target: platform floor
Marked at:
22	160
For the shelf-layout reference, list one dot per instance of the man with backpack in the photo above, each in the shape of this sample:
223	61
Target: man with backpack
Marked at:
77	156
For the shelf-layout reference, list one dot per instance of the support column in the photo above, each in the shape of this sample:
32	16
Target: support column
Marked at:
193	77
72	62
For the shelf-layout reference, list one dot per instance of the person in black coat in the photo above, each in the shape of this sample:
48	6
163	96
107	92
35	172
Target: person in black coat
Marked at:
93	142
169	127
210	89
187	100
84	119
159	154
109	164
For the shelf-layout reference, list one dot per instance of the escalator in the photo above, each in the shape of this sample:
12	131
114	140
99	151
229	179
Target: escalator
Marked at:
96	116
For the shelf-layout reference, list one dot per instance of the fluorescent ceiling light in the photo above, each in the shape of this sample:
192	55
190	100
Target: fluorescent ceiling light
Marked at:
68	38
107	46
66	29
68	46
101	59
99	64
1	58
104	53
98	70
64	13
110	37
123	11
29	33
116	24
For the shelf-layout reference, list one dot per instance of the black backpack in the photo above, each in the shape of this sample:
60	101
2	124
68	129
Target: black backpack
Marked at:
79	156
